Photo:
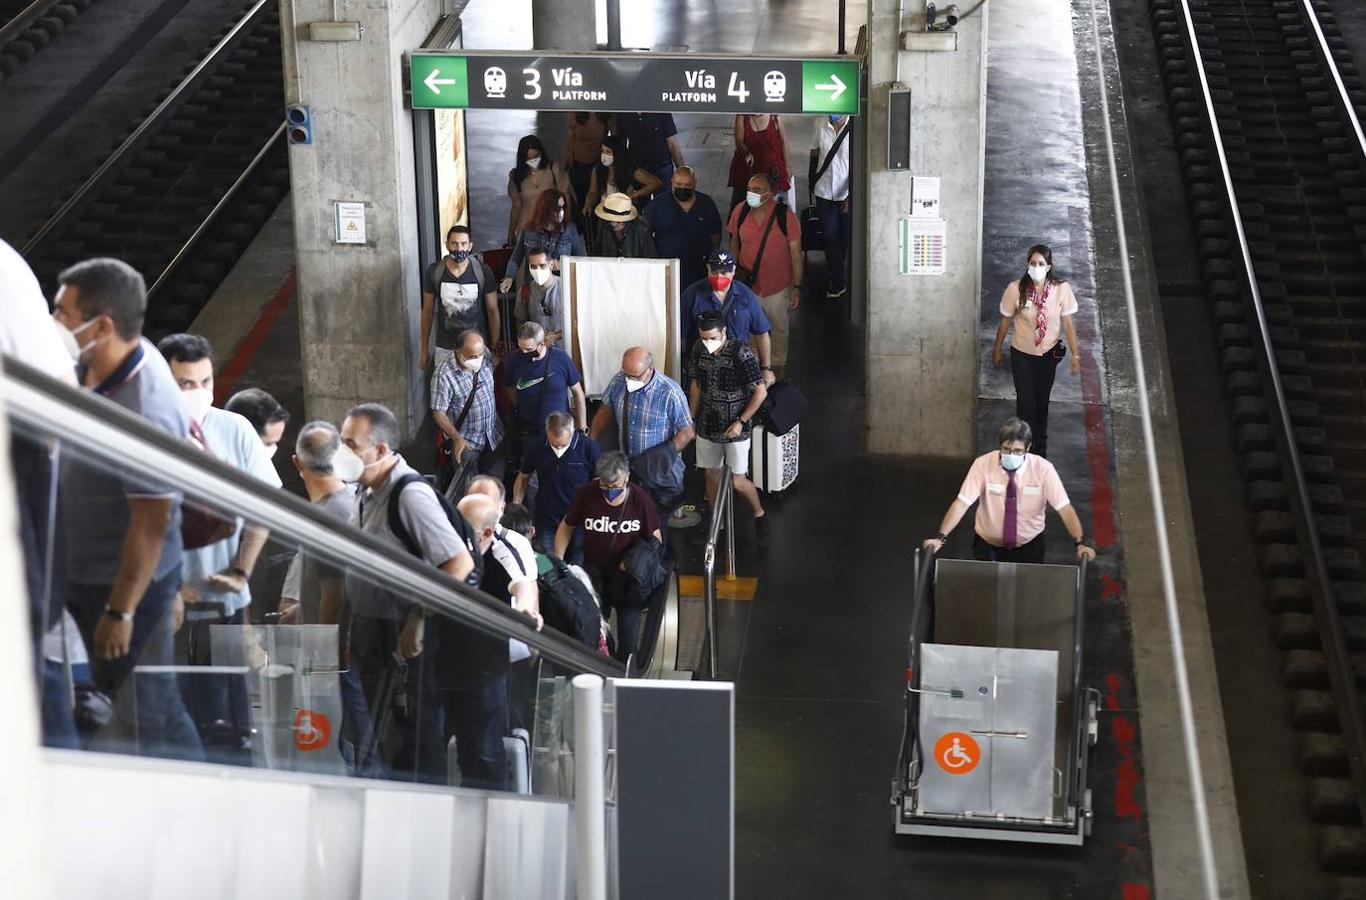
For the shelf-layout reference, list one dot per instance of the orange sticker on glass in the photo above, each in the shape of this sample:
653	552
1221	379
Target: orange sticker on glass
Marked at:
957	753
312	730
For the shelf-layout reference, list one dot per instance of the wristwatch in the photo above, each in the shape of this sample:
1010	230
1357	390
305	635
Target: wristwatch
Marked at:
1079	541
238	570
941	536
116	615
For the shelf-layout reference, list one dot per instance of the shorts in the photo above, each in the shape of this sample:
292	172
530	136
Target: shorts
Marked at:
735	454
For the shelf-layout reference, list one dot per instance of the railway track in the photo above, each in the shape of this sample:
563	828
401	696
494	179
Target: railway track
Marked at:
190	184
1284	265
27	26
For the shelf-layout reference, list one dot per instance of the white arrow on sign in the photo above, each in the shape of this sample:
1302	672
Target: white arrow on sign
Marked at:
432	81
838	87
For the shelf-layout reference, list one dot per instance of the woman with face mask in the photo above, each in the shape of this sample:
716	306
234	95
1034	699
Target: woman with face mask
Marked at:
617	173
551	227
760	146
1040	306
582	148
535	172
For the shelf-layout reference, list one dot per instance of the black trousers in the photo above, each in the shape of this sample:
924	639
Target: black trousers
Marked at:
1033	385
1031	552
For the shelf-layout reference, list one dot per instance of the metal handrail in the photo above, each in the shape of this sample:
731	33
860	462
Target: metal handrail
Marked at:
135	446
1341	678
218	207
20	23
722	511
134	140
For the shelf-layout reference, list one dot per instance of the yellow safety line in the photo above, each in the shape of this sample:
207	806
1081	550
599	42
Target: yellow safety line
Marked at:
741	589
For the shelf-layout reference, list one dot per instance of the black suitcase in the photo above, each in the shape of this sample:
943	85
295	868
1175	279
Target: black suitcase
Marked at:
784	408
813	233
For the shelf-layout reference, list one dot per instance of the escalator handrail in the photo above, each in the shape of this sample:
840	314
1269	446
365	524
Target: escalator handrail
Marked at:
132	443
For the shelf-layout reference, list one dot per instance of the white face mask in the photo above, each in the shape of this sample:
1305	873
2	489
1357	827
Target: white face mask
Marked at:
346	465
753	199
607	159
541	276
713	345
1038	273
473	365
559	215
533	162
196	402
270	451
559	451
73	347
633	384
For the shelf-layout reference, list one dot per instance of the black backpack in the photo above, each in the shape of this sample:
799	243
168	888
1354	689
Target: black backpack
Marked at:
462	528
568	606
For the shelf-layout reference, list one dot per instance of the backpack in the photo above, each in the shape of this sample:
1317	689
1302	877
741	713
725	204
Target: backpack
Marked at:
780	213
568	606
462	528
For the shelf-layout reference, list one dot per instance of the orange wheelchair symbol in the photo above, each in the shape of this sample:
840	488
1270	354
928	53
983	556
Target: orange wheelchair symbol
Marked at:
957	753
312	730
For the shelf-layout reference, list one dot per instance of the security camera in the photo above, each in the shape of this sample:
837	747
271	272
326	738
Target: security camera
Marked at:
932	13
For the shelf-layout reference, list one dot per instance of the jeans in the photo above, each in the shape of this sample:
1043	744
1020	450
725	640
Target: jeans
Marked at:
618	591
477	716
1031	552
218	704
835	231
545	542
420	754
1033	386
150	719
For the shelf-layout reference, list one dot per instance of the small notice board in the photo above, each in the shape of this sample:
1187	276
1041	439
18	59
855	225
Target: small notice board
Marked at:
921	246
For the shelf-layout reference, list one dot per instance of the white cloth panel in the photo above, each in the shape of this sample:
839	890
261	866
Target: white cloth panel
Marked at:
618	304
525	856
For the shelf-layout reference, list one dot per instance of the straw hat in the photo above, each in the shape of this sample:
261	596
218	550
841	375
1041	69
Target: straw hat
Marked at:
616	208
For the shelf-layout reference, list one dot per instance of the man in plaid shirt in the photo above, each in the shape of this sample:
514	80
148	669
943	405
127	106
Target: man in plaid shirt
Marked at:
648	411
464	409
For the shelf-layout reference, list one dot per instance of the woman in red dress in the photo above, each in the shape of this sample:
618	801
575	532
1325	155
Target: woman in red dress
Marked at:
760	146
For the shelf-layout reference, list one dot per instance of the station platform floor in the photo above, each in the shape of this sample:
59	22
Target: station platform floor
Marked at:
818	654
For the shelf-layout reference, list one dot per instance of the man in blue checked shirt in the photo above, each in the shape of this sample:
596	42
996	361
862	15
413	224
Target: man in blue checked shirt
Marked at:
650	414
464	409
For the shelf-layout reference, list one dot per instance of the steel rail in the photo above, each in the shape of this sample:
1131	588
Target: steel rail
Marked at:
1326	613
135	140
20	23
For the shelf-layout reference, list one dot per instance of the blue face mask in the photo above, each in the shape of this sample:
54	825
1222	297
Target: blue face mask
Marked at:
613	493
1012	462
836	120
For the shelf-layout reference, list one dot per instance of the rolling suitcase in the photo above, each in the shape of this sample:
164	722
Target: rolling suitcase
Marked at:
773	458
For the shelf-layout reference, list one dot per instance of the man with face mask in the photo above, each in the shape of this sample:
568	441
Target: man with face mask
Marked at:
542	301
724	398
468	298
1012	489
464	409
219	572
543	380
769	257
829	180
686	225
620	233
738	306
264	413
562	462
123	566
650	414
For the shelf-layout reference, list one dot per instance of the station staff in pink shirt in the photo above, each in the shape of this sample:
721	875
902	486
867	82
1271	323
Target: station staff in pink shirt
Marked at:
1040	306
1012	489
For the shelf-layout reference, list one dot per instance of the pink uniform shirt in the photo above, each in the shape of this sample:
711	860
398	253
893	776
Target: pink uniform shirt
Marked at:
1036	484
1061	302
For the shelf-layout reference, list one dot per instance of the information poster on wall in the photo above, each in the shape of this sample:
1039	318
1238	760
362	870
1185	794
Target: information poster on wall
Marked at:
922	250
350	222
924	197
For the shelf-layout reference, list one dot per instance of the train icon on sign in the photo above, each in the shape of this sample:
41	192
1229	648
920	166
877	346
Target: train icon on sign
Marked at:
495	82
775	86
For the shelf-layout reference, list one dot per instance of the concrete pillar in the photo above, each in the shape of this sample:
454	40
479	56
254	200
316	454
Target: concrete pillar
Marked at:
358	303
922	330
567	25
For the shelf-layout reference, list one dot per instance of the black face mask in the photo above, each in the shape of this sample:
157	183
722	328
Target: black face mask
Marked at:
684	194
529	355
460	255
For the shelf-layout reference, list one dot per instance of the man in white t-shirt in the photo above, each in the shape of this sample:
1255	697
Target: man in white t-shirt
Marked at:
829	174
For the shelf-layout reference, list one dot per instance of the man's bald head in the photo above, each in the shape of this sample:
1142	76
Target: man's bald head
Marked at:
761	183
482	513
636	362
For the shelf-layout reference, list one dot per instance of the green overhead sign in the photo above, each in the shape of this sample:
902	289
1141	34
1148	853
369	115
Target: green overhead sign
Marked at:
633	83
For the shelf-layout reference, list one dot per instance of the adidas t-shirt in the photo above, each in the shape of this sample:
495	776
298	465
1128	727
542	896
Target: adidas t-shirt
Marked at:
609	531
540	386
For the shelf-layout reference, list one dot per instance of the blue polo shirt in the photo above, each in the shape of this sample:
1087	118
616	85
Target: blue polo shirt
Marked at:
746	314
685	236
540	386
560	477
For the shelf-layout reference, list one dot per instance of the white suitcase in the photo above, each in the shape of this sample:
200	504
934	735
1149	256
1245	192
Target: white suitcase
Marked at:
773	458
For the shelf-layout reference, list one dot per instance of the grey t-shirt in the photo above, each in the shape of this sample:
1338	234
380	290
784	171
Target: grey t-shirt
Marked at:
424	519
94	496
302	579
542	305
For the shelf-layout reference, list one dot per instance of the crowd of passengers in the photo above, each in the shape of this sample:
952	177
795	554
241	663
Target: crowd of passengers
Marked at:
121	566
